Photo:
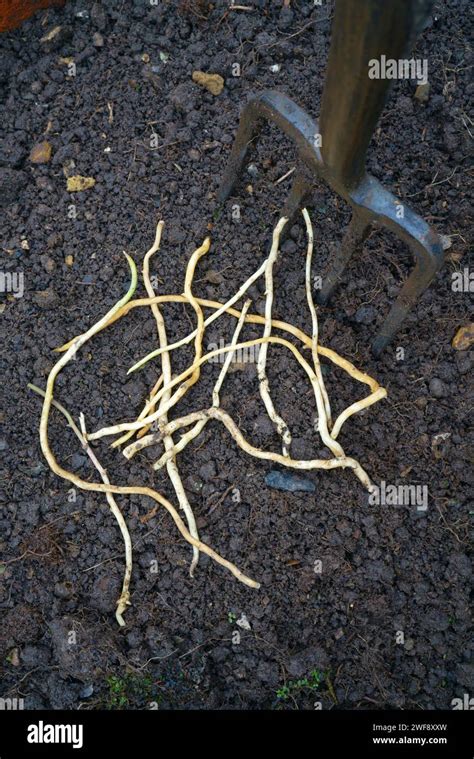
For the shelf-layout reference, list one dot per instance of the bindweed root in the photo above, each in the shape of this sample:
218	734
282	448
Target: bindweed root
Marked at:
153	427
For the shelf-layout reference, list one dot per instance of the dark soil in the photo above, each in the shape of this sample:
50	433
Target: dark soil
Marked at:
386	570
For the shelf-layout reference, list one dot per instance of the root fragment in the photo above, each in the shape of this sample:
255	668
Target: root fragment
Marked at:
314	318
153	425
124	599
264	385
149	406
171	465
199	426
304	464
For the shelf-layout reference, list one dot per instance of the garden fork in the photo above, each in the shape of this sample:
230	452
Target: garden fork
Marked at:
335	151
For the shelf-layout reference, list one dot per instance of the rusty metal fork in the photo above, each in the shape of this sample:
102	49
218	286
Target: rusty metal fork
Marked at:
335	150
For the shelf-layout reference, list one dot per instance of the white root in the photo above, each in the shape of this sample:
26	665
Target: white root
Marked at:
376	392
163	396
314	317
228	359
99	487
149	406
222	308
199	426
148	440
138	424
193	433
264	385
171	466
303	464
124	598
334	447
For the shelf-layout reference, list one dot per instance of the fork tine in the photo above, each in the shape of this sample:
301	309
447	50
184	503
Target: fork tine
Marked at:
354	237
245	133
299	194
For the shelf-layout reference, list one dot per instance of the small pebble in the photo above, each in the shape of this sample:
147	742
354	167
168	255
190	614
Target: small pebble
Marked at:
86	691
252	170
289	247
77	461
289	482
214	277
422	92
194	484
437	388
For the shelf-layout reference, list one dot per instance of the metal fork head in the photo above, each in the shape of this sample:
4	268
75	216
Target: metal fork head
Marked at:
335	153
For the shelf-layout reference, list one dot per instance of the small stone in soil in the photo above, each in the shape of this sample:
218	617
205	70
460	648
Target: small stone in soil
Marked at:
215	277
287	481
422	92
437	388
214	83
289	247
77	461
252	170
41	152
86	691
193	483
